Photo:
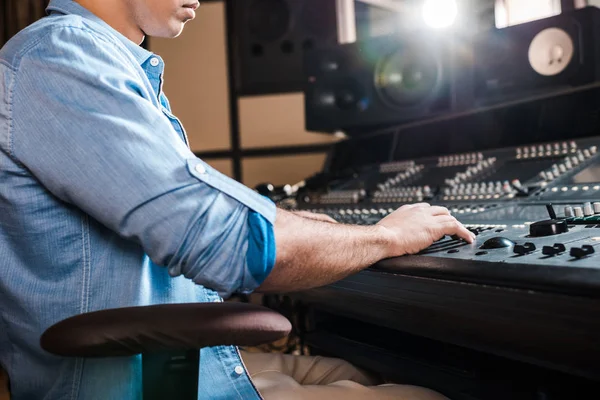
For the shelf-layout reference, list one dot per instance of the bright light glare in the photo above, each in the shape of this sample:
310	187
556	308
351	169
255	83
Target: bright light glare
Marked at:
439	13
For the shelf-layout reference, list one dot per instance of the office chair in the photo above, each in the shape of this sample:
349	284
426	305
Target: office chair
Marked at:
168	337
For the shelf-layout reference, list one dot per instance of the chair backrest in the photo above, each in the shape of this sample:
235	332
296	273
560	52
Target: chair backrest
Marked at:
4	392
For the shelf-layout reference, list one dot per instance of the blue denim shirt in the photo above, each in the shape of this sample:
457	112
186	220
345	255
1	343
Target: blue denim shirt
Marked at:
103	205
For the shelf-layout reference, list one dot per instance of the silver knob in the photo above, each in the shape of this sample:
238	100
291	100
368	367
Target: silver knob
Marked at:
588	211
578	212
596	206
586	153
569	212
568	163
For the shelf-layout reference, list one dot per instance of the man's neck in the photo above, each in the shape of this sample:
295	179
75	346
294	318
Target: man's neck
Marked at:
116	14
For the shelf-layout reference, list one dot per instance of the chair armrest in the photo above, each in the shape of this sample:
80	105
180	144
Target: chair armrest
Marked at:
147	329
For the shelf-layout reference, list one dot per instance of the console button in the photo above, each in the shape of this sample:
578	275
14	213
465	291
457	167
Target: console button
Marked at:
523	249
583	251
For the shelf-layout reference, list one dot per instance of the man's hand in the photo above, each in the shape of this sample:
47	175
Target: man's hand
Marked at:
315	217
415	227
312	253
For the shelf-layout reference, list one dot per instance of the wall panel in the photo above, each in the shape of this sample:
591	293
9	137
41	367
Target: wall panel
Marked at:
281	170
196	78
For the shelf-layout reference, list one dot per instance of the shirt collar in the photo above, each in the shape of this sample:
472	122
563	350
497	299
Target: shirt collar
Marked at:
71	7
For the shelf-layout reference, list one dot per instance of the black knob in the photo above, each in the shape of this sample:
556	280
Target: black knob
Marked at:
548	228
497	243
553	250
522	249
580	252
266	189
551	211
560	247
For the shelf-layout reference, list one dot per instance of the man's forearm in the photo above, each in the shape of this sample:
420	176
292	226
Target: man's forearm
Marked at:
313	253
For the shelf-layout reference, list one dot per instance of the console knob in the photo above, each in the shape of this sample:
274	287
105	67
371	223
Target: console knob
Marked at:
578	212
587	209
523	249
568	163
553	250
569	212
552	226
266	189
579	252
548	228
560	247
574	160
497	243
586	153
551	212
596	206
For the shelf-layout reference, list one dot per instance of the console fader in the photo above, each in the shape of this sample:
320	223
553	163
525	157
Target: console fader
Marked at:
531	207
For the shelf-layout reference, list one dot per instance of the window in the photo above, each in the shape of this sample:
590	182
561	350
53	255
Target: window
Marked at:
514	12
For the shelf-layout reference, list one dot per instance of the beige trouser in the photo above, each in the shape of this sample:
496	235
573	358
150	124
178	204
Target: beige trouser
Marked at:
287	377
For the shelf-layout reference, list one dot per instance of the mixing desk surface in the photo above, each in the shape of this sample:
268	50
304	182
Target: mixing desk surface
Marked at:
535	206
535	264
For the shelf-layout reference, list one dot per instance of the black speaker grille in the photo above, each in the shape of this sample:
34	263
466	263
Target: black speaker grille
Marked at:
268	20
317	19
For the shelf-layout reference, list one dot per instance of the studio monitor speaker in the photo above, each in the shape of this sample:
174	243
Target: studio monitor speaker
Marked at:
386	80
272	37
538	57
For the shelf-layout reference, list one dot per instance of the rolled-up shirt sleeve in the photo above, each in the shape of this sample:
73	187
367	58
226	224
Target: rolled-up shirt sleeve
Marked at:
85	125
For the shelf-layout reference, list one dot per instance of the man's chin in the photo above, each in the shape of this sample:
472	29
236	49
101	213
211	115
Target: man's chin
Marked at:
170	33
177	29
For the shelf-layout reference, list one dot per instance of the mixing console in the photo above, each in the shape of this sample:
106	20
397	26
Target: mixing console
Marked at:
536	205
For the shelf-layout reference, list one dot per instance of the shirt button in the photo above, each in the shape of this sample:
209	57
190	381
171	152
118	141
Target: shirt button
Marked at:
239	370
200	169
154	62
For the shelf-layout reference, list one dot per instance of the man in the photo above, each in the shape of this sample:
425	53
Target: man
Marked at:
103	205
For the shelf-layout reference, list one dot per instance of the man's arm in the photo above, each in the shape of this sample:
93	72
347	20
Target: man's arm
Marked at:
87	126
315	216
313	253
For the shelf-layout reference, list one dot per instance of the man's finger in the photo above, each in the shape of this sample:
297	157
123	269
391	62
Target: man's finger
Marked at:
437	210
416	205
453	227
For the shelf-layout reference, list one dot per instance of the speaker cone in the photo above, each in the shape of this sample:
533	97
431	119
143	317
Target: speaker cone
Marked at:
350	95
408	77
551	51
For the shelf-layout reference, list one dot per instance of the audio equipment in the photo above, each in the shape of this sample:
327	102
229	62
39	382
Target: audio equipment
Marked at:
535	264
502	195
523	176
385	80
271	37
408	77
537	57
